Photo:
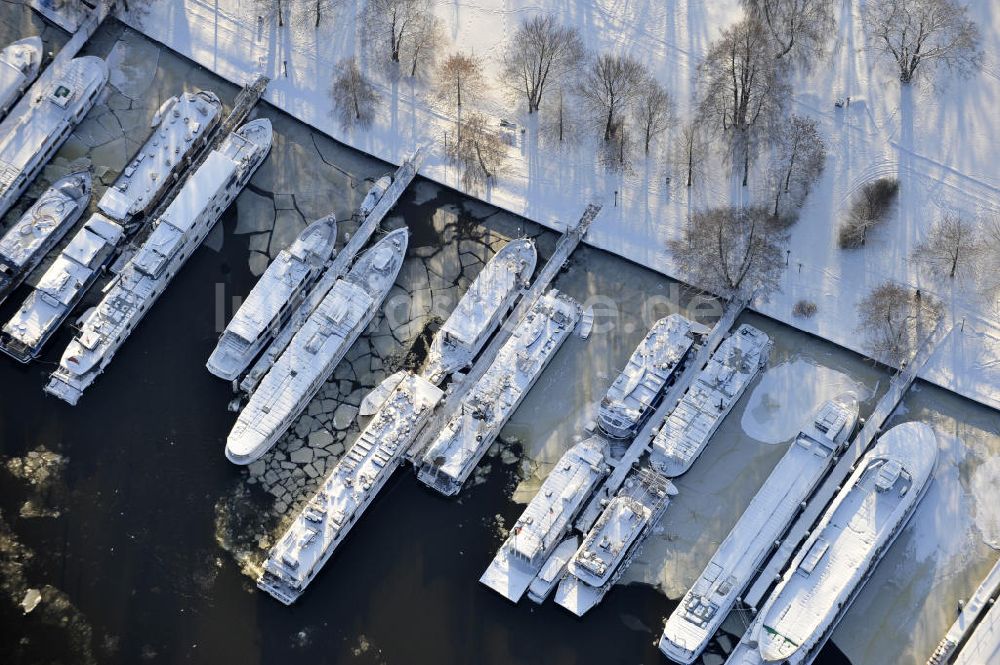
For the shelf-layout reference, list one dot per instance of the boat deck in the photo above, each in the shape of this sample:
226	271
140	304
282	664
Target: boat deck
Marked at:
179	128
347	490
546	519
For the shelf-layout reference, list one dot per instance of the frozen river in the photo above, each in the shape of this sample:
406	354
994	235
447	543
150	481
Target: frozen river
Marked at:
142	538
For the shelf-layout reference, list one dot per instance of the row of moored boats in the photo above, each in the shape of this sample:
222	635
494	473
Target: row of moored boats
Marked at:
577	536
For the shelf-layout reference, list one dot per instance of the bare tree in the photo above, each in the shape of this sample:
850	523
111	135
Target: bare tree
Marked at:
478	150
895	319
732	251
691	151
420	48
540	53
391	24
744	89
913	32
653	110
870	206
800	156
353	96
269	11
799	29
951	249
608	87
460	79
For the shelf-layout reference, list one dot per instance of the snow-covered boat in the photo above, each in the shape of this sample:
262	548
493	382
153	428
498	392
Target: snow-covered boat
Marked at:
375	193
481	309
482	413
705	606
180	128
547	518
316	349
614	539
691	424
40	228
61	288
278	292
348	490
42	121
640	387
174	238
552	570
19	65
843	550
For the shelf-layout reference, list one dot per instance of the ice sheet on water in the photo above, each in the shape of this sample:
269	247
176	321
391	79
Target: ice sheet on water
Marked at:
789	394
133	65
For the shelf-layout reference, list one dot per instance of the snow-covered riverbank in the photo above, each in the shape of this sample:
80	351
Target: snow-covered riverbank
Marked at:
934	140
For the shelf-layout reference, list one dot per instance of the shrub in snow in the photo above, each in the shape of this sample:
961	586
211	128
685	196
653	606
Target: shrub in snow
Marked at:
871	205
804	309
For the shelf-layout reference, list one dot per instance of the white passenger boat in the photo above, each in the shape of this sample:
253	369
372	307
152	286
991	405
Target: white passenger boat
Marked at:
481	309
174	238
278	292
482	413
650	370
547	519
61	288
705	606
843	550
42	121
348	490
316	349
614	539
19	65
180	128
715	391
41	228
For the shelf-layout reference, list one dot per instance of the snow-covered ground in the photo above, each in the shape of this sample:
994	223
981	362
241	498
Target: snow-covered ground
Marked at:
938	139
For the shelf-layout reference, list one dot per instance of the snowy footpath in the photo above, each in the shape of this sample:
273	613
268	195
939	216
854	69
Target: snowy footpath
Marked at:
935	138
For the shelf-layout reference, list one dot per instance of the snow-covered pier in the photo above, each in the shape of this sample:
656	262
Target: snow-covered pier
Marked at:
800	529
976	613
640	444
338	268
564	248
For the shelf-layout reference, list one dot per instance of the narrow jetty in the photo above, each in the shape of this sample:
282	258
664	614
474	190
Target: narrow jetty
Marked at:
898	386
844	550
338	268
640	443
977	627
483	411
811	455
458	389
